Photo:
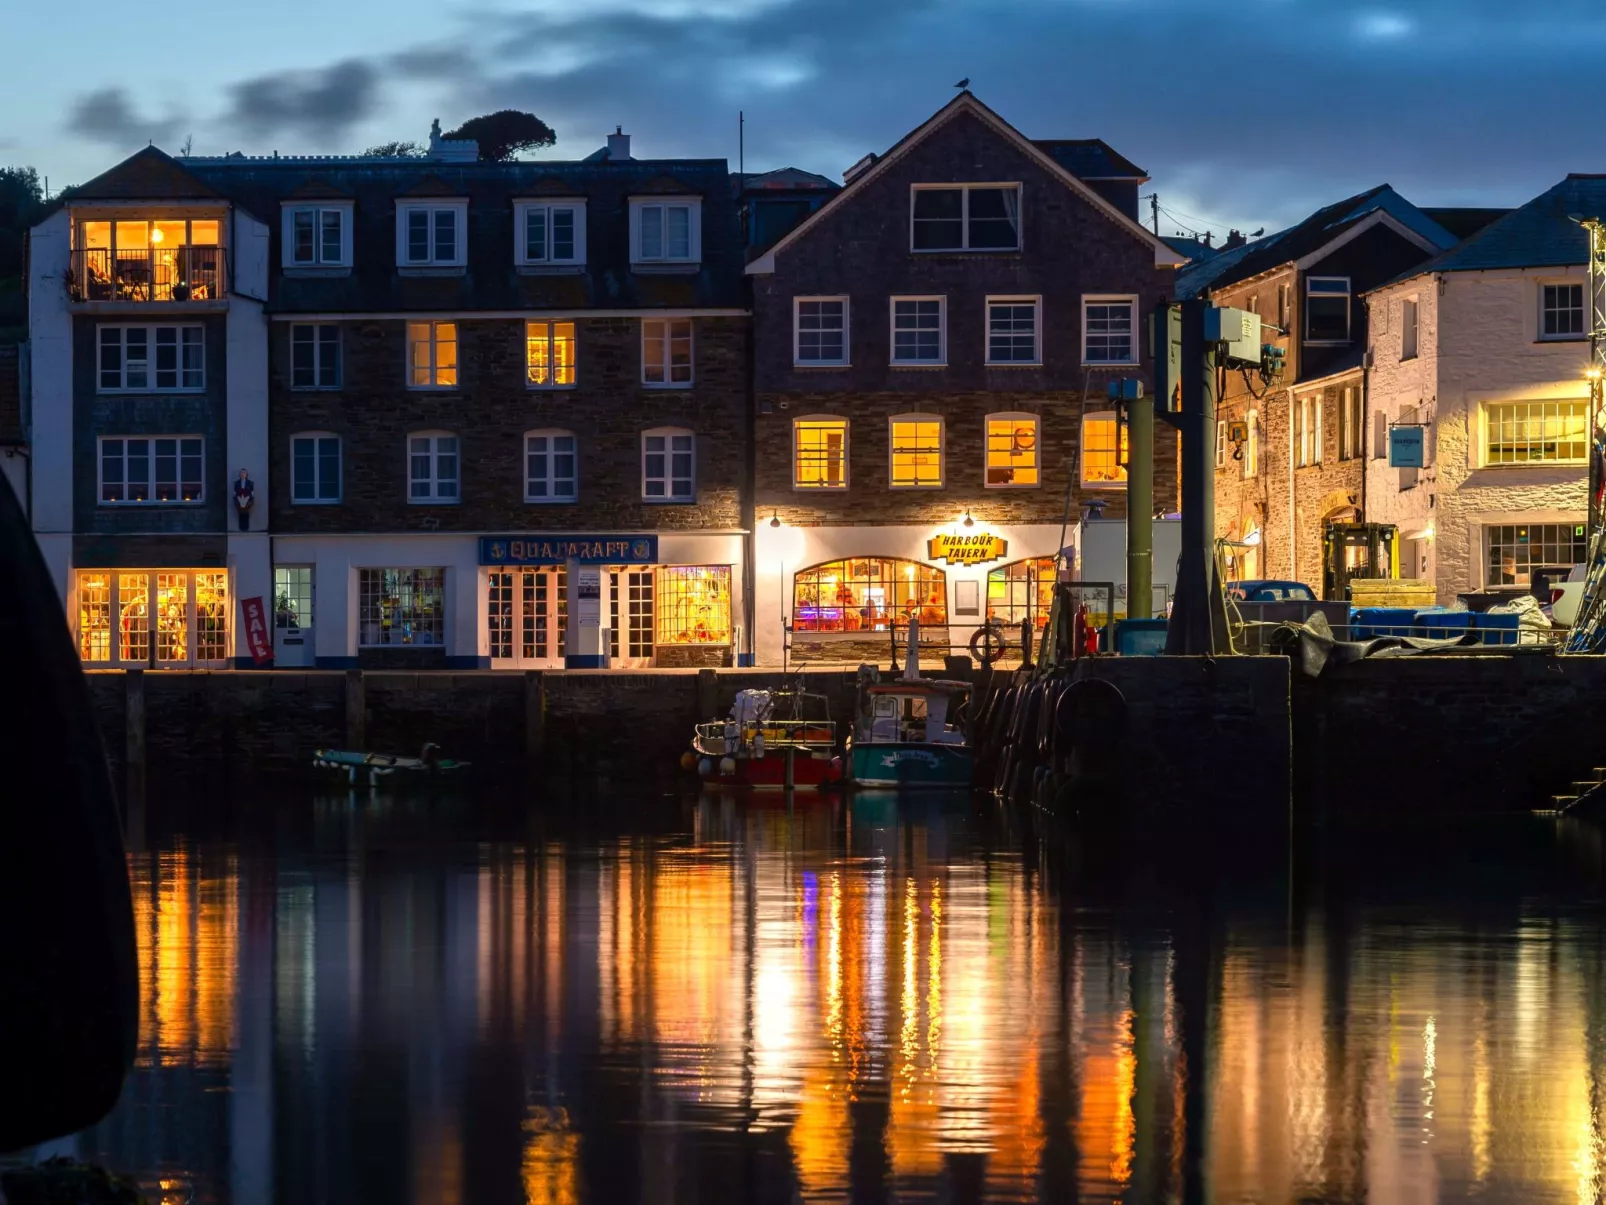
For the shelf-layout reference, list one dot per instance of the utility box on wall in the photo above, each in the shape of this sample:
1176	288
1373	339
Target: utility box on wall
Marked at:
1239	330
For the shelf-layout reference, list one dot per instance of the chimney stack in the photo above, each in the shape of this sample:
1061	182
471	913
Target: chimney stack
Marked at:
1234	239
618	144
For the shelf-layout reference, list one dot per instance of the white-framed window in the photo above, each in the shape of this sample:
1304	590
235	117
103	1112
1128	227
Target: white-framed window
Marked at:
314	468
1327	305
1013	330
433	467
550	466
1221	443
549	232
549	355
149	469
401	606
431	234
920	330
668	465
666	230
432	355
964	217
1514	552
1109	330
1013	451
317	236
1408	318
1104	450
666	352
143	359
1284	296
820	332
915	451
1252	443
1351	423
1537	432
820	452
314	355
1308	430
1561	312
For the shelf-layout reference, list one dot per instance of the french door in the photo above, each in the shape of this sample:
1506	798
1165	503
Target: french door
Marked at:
527	612
157	618
630	616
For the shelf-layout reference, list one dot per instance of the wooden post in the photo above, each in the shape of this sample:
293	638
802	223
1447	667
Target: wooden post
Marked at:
791	769
134	682
534	719
356	711
707	694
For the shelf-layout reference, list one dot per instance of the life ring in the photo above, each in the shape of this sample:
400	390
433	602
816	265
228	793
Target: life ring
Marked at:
988	643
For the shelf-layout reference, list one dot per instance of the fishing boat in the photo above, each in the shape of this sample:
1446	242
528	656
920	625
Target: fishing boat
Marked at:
907	731
765	731
378	765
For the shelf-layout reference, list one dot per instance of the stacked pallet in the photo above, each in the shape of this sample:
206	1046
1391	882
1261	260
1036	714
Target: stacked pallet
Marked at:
1392	592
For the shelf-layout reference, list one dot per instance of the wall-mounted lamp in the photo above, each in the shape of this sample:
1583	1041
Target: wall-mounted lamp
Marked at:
1592	372
775	519
967	520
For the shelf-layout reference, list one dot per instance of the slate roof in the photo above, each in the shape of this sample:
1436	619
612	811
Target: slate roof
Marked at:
259	186
1540	234
1297	241
784	179
1464	222
1090	159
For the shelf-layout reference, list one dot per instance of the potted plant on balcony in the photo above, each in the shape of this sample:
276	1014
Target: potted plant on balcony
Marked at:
181	290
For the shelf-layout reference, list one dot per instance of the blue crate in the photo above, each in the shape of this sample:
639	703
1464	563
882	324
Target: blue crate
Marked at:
1498	629
1368	623
1440	623
1140	637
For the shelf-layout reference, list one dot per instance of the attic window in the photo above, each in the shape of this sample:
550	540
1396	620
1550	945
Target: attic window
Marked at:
317	236
549	233
432	234
666	230
1327	309
966	217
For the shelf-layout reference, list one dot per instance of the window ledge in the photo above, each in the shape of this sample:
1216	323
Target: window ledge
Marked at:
819	489
550	388
433	501
1562	339
550	269
918	364
1520	465
1328	342
432	269
686	268
308	271
1014	364
151	392
683	387
315	502
964	252
937	486
1104	485
669	501
550	501
315	388
1111	364
1011	486
432	389
828	366
128	505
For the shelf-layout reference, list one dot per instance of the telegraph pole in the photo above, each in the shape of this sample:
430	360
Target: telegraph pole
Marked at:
1140	506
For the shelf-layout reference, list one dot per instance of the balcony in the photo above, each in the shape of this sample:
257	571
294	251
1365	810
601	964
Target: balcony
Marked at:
159	275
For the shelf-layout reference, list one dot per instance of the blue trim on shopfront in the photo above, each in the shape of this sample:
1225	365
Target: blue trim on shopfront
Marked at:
470	662
336	663
585	661
744	661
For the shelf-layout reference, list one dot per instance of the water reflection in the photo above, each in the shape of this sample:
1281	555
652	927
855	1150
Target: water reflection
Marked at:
726	1002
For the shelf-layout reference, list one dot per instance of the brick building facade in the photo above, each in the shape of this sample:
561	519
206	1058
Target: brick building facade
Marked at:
932	350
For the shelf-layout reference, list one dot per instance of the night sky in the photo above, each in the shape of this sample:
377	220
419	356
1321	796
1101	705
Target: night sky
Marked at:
1248	114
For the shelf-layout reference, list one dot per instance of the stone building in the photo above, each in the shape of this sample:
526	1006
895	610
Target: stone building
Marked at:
495	414
1484	350
932	350
1290	455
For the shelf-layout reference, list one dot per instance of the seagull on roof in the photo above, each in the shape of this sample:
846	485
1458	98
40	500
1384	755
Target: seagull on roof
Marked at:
964	83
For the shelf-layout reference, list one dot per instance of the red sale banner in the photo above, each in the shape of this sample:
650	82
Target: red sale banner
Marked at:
257	637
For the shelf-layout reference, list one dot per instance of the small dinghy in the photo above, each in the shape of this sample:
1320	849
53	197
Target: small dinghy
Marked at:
377	765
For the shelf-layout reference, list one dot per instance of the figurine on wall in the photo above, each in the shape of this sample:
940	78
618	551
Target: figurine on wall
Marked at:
244	495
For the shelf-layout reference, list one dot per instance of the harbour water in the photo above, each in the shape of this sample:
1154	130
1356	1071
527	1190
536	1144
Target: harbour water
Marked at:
449	1000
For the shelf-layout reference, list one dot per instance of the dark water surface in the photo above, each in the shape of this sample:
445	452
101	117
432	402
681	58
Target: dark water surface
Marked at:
661	1000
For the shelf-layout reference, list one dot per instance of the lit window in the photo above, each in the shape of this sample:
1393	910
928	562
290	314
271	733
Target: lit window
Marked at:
315	236
1537	432
173	260
820	453
549	466
1351	424
1308	430
549	354
1108	326
666	232
550	232
1515	551
668	466
968	217
292	597
161	468
314	468
432	355
401	607
1022	592
1012	330
314	356
1561	312
137	359
919	330
432	467
820	335
1012	449
1327	309
868	594
430	236
916	451
694	604
666	352
95	616
1104	450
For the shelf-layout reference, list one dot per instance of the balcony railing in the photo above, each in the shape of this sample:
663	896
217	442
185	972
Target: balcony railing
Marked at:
161	274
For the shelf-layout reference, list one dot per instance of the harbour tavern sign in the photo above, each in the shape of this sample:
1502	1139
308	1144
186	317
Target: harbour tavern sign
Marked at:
967	549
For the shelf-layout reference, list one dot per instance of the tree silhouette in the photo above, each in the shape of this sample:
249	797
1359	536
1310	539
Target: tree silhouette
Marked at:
394	150
505	133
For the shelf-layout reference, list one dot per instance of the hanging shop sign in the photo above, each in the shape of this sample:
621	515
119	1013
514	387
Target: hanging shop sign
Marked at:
559	550
967	549
256	630
1406	446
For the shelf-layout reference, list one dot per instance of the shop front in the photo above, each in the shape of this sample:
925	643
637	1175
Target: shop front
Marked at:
846	595
153	618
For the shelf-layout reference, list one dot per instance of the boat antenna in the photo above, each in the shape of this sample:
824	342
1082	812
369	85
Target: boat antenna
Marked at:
911	661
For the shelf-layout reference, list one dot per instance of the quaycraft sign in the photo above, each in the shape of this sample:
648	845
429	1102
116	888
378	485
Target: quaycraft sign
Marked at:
967	549
559	550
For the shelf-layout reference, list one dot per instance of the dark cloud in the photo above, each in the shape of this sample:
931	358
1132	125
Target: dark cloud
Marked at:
108	116
320	106
437	62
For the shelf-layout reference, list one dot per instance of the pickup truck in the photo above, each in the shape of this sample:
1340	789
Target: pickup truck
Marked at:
1566	595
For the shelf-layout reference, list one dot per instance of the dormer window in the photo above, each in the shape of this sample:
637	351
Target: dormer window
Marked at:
431	234
317	236
964	217
666	230
549	233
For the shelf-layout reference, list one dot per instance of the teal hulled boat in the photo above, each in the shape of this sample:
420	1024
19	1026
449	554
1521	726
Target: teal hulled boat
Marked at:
906	732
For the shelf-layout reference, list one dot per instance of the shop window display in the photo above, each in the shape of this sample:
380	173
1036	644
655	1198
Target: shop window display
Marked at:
1020	592
402	607
694	604
868	594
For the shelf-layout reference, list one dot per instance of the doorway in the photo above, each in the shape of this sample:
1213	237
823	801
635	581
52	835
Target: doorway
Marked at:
292	616
527	617
631	617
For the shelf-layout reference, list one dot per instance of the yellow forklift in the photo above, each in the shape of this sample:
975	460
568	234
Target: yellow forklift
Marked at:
1357	550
